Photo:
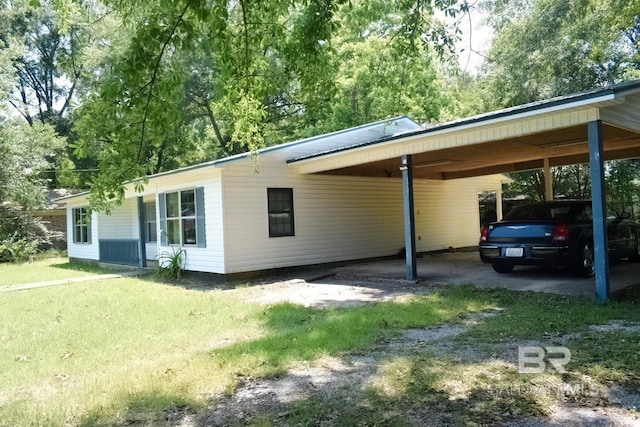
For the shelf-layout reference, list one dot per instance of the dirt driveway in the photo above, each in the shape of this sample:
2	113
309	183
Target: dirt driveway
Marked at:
339	379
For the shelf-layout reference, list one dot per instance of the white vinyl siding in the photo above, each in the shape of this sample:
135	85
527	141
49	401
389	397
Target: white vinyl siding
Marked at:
122	223
447	213
212	257
337	218
341	218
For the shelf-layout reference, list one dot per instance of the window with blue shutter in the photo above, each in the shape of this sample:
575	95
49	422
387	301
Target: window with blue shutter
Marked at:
182	218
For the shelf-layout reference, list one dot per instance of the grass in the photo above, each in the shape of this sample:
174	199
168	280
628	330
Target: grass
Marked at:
419	387
43	270
134	351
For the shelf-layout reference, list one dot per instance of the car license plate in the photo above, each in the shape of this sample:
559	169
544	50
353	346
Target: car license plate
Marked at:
514	252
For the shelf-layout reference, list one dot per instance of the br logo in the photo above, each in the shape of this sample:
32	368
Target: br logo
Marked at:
534	359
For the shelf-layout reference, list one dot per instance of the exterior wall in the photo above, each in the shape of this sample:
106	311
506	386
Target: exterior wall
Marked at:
337	218
89	251
151	250
122	223
211	258
119	236
447	213
340	218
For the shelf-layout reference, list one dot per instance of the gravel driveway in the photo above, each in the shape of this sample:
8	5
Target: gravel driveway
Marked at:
340	379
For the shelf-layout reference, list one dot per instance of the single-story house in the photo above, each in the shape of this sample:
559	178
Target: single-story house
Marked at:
256	211
337	197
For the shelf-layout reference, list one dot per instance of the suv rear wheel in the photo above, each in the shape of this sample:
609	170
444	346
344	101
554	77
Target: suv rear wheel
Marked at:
585	266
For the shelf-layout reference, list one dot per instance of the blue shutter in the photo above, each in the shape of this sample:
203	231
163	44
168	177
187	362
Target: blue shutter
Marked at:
89	222
74	221
162	203
200	225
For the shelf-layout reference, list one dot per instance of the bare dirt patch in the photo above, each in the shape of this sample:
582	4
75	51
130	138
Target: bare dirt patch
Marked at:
345	381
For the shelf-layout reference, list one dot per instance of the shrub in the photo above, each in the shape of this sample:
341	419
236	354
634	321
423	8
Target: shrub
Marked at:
171	264
20	234
17	250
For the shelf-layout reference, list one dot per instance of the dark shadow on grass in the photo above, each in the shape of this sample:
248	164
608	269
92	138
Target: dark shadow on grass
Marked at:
349	399
144	409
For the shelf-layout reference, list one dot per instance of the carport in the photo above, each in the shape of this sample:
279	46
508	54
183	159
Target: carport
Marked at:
587	127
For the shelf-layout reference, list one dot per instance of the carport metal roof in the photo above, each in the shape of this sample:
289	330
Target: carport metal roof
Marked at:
586	127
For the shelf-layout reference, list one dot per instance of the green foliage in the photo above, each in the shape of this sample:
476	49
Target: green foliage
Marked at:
21	235
623	185
51	53
171	264
25	152
546	48
197	80
569	182
411	85
17	250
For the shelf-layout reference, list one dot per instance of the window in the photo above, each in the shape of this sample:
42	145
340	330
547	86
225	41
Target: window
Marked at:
150	222
81	225
280	212
182	218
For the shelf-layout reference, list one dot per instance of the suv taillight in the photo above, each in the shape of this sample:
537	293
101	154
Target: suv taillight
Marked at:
561	233
484	233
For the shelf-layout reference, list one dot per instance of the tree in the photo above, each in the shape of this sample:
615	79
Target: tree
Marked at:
51	62
623	185
546	48
201	77
24	154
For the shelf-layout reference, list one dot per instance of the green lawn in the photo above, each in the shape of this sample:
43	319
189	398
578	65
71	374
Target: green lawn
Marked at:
44	270
128	351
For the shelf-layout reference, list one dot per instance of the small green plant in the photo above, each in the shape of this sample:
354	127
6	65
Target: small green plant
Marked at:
171	263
